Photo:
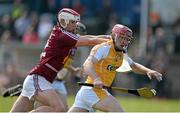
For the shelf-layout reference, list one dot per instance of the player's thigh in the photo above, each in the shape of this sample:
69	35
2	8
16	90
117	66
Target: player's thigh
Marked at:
50	98
63	99
61	90
22	104
108	104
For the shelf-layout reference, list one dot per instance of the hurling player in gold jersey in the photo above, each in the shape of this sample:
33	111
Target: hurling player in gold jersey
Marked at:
100	68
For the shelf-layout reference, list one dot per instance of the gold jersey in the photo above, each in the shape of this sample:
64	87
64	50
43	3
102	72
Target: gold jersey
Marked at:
108	61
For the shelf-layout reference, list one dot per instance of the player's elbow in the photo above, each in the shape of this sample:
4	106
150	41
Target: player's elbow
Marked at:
85	69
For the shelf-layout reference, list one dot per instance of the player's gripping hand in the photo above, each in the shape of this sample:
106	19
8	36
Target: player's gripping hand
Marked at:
98	83
154	74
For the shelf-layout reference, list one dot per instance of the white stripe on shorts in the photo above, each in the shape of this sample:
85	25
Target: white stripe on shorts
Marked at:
36	84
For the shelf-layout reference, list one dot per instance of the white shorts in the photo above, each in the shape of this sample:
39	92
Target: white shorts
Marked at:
86	98
33	83
59	87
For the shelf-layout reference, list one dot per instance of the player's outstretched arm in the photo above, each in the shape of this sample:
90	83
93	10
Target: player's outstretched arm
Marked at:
90	41
97	36
140	69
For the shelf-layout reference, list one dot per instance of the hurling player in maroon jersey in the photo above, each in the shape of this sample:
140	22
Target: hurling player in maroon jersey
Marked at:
37	85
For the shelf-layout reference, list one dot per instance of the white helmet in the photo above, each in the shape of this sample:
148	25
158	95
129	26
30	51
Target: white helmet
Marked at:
68	14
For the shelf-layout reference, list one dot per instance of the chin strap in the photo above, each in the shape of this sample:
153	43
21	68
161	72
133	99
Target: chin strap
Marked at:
124	50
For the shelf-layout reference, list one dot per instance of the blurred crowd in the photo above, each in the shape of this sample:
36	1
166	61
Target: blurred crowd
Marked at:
31	21
161	47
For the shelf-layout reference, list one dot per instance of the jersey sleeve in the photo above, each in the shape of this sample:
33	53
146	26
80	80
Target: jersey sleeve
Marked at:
100	52
127	58
125	66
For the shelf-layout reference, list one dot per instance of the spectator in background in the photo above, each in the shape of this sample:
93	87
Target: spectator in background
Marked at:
30	36
177	37
21	25
160	63
17	9
160	39
150	40
45	26
155	21
6	37
34	18
9	76
6	23
160	58
6	49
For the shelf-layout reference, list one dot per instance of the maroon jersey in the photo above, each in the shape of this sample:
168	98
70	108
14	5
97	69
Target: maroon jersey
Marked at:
58	47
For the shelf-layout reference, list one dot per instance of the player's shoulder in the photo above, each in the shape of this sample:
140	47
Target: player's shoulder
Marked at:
104	47
69	34
63	33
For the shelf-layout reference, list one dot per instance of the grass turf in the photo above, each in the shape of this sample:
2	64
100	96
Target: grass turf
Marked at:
128	104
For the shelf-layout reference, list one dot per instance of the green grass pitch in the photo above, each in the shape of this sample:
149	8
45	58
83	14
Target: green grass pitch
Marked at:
129	104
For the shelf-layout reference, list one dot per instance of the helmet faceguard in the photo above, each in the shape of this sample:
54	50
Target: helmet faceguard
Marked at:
121	31
67	14
80	29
